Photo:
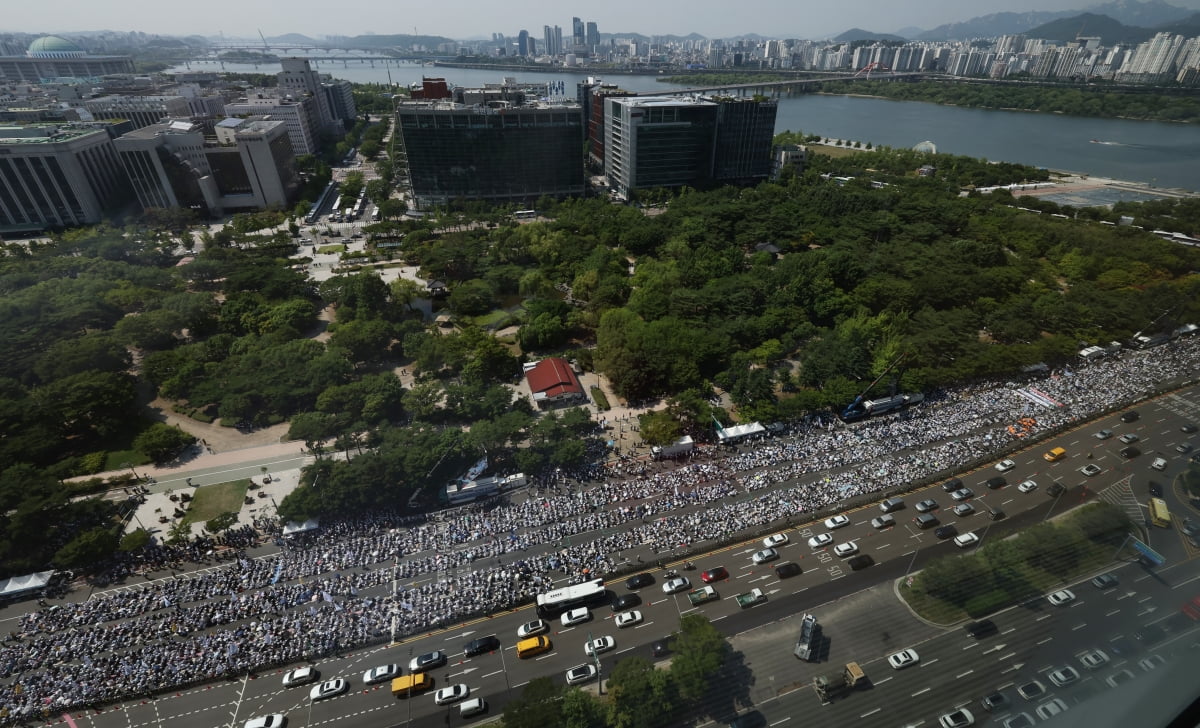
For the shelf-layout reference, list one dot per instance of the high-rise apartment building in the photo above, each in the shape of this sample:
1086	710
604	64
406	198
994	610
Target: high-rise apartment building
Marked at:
578	37
498	152
592	37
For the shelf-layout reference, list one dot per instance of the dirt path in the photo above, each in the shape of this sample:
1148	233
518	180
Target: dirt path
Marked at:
220	439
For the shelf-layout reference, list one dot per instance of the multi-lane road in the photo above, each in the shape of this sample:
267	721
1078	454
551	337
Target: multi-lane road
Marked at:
861	618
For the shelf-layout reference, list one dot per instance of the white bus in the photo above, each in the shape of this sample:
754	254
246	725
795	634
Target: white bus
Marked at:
553	603
524	214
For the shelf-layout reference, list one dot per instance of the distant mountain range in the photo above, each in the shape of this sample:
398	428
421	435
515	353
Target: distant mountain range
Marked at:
1129	13
859	34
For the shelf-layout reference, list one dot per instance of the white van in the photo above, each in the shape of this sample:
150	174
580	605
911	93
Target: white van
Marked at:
474	706
1159	464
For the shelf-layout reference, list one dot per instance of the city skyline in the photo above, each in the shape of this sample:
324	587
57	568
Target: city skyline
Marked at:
474	19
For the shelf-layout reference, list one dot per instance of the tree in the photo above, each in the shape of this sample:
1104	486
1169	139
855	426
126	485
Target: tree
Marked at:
699	651
471	298
640	696
659	428
581	710
134	540
161	442
88	548
540	705
221	522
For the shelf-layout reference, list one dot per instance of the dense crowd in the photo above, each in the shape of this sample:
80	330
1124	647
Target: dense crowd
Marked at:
331	590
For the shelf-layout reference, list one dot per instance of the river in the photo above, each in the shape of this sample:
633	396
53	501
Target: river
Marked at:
1156	153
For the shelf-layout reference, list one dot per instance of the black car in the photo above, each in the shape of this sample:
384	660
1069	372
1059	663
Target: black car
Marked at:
786	569
997	482
481	645
638	581
1151	634
1130	452
862	561
1156	489
1189	428
952	485
1130	416
996	701
1055	490
947	531
625	601
661	648
982	628
752	719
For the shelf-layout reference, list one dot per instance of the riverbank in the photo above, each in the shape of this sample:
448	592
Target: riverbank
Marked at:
532	68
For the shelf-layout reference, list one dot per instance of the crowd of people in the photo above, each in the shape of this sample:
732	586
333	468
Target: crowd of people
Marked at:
383	575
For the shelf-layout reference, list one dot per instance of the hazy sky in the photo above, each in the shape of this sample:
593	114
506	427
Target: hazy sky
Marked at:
472	18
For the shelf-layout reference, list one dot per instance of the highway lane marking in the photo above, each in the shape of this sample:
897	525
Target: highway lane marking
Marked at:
1115	611
1148	610
1048	639
627	649
518	685
1010	630
962	675
799	590
1186	581
1010	669
782	720
921	692
1044	616
1079	626
548	654
1005	657
643	624
481	677
870	712
927	663
971	646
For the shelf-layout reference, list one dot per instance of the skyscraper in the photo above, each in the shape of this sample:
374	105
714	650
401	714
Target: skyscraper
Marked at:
523	43
593	37
577	36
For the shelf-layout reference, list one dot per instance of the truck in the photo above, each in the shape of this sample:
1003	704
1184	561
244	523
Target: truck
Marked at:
837	684
682	446
806	644
702	595
750	598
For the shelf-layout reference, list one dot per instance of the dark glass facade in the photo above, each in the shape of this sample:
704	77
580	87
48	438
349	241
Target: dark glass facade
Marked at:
745	130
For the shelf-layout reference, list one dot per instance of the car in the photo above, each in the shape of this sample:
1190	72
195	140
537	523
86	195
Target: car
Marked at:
1156	489
1188	428
885	521
1054	454
1027	486
1105	581
628	619
637	581
1130	452
572	617
1005	465
427	661
451	694
474	706
1061	598
1064	676
328	689
1103	434
1130	416
982	628
860	562
625	601
952	485
786	569
845	549
762	557
661	648
1188	527
1151	634
821	540
383	673
903	658
995	701
926	505
775	540
1129	438
275	720
966	541
1020	720
599	645
957	719
837	522
962	494
1055	490
530	629
926	520
1031	690
676	585
945	532
963	509
480	645
1119	678
716	574
1122	646
1051	708
300	676
581	674
1090	470
1159	464
996	482
1093	659
1184	448
1153	662
753	719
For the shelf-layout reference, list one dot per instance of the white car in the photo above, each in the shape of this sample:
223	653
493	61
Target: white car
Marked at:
821	540
1093	659
328	689
1061	598
1090	469
1129	438
837	522
966	540
581	674
1152	662
1064	676
1027	486
576	616
1005	465
1048	710
845	549
762	557
300	676
903	658
380	674
960	718
775	540
1103	434
451	694
267	721
677	584
628	619
599	645
530	629
1120	677
963	494
1159	464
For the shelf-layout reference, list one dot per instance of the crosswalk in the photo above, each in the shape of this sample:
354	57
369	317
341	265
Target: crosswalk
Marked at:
1120	494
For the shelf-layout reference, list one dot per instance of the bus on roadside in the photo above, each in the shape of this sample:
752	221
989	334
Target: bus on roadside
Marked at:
1159	515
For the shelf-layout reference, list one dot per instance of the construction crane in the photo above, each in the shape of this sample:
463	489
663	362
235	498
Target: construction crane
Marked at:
266	45
861	408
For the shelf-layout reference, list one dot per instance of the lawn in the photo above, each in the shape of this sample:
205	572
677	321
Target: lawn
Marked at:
211	501
326	249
